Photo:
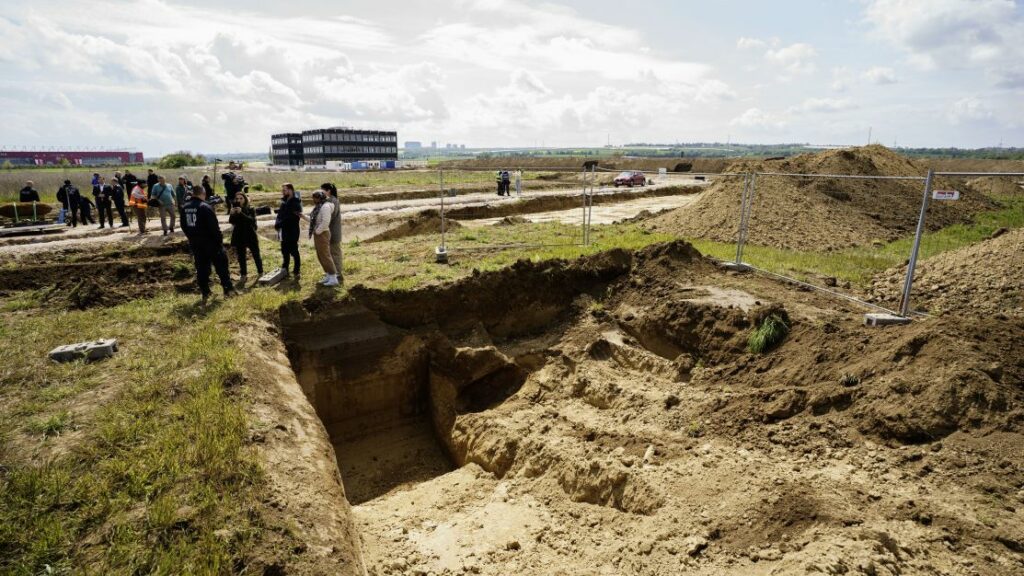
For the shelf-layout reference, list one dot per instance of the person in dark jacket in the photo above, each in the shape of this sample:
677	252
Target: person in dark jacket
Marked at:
85	206
207	243
69	198
151	180
243	234
28	193
181	191
287	226
117	195
104	206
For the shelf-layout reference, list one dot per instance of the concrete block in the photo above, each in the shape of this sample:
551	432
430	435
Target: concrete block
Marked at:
273	277
735	266
95	350
883	319
441	255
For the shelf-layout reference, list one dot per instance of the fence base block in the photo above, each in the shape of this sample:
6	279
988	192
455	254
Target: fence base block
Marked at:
735	266
882	319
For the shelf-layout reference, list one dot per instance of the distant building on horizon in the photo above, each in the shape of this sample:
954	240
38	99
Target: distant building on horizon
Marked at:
74	158
413	144
318	147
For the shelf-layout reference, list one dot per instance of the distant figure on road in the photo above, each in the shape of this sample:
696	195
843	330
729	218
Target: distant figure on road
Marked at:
332	196
519	183
28	193
200	225
104	201
320	231
505	181
243	234
117	191
287	226
138	202
164	194
69	198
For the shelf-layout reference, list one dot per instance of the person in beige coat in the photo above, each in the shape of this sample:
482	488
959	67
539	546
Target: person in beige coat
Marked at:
320	231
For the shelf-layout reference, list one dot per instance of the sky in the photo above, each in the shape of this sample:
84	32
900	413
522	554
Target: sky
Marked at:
223	75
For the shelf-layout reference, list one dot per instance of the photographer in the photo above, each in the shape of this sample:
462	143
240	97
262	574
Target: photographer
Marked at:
69	198
233	184
163	195
243	234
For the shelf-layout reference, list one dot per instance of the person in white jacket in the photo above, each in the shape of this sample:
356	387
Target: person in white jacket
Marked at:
320	231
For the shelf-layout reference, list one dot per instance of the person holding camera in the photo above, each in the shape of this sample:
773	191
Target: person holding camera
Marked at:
242	217
117	191
199	223
162	195
287	226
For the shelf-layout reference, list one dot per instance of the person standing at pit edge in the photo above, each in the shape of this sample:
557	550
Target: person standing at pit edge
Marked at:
243	234
117	191
287	226
104	208
139	205
164	195
28	193
332	196
320	231
199	223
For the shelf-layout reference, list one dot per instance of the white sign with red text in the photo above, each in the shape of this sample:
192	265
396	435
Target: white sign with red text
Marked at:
945	194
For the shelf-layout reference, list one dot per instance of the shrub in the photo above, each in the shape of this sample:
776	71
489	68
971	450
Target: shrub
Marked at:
769	334
181	159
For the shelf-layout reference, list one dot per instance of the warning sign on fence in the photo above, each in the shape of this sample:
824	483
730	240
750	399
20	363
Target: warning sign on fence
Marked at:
945	194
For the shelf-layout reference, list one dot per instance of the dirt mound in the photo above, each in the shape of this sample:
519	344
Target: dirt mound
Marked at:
819	214
984	278
426	222
511	221
997	186
103	279
575	163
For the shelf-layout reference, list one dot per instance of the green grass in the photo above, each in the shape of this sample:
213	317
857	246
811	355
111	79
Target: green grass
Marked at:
859	265
768	334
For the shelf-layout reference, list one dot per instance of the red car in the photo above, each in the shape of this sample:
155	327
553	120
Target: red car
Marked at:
630	179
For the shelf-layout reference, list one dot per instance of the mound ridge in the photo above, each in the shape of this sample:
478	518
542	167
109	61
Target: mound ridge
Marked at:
816	213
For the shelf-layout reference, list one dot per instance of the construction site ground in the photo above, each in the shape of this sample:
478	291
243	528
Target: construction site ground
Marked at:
555	409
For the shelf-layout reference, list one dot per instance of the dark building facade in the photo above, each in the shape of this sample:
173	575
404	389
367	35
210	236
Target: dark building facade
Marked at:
286	149
318	147
83	158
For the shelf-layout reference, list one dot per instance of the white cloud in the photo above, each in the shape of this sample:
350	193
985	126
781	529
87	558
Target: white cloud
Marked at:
824	105
951	34
880	75
970	109
758	119
745	43
796	58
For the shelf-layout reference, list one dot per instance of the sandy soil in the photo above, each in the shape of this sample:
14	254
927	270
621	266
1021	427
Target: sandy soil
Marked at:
605	417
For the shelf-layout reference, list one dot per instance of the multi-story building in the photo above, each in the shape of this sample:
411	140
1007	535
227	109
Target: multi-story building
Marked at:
347	145
286	149
74	158
330	145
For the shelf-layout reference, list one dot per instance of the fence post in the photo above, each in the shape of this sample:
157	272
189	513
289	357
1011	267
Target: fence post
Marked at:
908	284
748	198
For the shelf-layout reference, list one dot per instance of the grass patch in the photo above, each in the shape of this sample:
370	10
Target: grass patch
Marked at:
858	265
768	334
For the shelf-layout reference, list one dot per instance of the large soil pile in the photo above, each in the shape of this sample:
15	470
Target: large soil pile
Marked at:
986	278
820	214
426	222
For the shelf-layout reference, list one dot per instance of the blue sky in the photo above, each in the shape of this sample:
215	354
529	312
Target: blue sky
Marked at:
162	75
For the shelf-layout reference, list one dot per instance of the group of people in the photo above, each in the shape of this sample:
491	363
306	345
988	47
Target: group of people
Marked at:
201	227
504	181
